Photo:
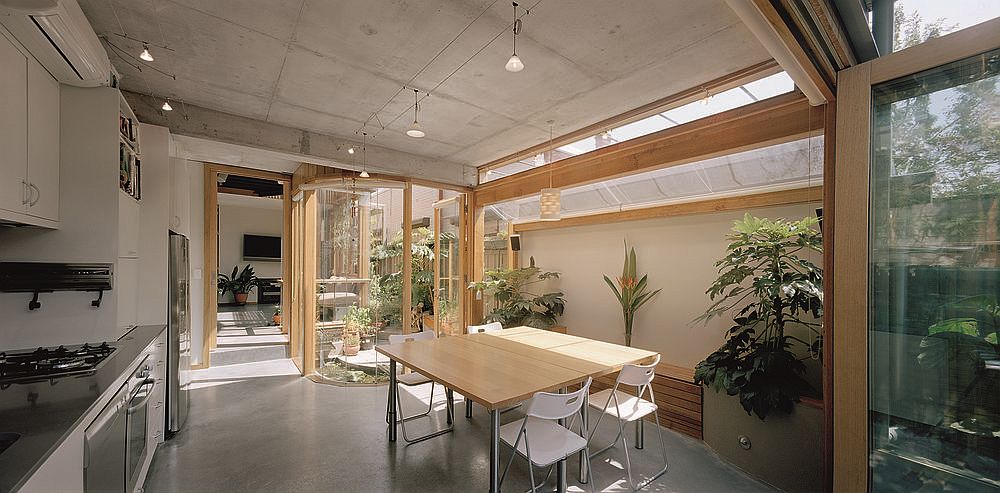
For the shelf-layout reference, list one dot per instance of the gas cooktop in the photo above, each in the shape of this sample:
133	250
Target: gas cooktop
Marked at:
45	363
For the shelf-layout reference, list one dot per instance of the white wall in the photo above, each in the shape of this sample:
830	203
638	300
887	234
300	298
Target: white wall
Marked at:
196	247
677	253
239	215
154	218
88	232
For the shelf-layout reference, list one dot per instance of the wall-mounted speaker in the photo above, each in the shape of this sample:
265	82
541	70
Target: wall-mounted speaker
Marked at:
515	243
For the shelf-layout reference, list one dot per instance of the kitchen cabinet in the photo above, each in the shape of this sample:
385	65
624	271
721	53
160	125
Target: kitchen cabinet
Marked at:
43	142
13	132
29	137
128	226
127	286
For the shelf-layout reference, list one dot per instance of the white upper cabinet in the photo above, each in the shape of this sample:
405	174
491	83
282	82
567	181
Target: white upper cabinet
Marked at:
13	131
43	142
29	139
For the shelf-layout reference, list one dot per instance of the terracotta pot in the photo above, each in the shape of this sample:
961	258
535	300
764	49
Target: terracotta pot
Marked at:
351	350
276	319
241	298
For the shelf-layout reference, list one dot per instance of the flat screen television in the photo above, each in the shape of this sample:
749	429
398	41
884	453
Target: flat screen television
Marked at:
261	247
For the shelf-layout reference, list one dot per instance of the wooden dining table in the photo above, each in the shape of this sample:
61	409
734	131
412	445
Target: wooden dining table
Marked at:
501	369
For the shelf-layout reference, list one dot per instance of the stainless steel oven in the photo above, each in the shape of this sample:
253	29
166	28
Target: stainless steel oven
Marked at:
137	424
116	443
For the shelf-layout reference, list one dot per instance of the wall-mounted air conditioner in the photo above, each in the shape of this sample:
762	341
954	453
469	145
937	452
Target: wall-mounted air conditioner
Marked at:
58	35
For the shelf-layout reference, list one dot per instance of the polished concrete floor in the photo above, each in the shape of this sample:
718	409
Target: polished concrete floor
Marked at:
258	427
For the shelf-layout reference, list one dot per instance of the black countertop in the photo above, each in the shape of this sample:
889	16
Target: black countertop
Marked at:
45	413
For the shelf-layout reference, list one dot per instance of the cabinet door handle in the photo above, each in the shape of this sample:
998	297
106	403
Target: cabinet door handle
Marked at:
26	194
38	194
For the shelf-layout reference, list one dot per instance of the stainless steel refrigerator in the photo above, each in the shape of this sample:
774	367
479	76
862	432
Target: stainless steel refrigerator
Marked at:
179	335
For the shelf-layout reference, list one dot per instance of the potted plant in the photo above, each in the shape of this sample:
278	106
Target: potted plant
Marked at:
276	317
631	291
358	320
240	283
352	343
769	288
515	305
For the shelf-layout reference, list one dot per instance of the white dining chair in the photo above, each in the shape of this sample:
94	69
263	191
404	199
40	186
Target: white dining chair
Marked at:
414	379
540	438
481	329
485	328
629	408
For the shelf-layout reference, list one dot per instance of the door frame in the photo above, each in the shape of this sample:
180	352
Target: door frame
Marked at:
211	272
850	245
460	237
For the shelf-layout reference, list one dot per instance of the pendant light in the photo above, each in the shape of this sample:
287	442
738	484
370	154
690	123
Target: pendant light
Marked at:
550	200
145	55
364	155
514	63
415	130
166	105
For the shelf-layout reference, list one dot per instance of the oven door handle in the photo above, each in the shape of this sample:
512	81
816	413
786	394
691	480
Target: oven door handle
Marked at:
132	408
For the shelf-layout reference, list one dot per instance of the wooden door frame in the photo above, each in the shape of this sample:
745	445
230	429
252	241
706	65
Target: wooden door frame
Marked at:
460	202
211	309
850	245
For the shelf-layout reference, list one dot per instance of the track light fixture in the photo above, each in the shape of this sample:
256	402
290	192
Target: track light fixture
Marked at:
350	150
514	63
415	130
145	55
166	105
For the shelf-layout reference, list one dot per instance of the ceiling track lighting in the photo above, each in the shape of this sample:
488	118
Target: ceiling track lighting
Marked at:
145	55
514	63
415	130
364	155
166	105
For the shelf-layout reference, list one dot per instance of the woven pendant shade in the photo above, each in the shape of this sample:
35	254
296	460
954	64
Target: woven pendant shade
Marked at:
549	204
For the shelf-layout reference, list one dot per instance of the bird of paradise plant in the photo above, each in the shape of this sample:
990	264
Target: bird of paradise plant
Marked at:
631	291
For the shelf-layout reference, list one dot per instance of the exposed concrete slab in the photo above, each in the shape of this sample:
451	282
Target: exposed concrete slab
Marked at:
195	121
324	67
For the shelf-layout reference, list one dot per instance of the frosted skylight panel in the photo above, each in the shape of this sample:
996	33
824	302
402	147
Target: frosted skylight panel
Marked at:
770	86
712	104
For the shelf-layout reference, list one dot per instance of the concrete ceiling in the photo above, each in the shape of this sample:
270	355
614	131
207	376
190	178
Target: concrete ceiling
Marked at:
325	66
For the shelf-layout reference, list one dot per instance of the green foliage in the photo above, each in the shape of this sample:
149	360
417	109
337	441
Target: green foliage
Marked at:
239	282
631	291
515	304
769	288
390	286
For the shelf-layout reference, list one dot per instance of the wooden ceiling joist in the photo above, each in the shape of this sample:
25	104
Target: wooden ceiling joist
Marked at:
772	121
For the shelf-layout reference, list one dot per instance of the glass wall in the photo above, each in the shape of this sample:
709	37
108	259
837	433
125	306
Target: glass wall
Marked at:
934	359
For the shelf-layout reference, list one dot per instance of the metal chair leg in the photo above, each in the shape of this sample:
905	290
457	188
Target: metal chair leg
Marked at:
663	450
430	406
628	461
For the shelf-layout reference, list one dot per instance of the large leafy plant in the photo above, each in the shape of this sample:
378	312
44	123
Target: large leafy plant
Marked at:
239	282
769	288
516	305
631	291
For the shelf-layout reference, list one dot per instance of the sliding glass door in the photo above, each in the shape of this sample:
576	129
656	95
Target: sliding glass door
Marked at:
934	292
449	278
916	283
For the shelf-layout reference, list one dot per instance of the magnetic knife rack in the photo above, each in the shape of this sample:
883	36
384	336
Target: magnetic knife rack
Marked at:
48	277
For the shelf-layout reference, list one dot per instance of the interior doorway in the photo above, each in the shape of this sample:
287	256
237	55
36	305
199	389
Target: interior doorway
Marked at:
247	264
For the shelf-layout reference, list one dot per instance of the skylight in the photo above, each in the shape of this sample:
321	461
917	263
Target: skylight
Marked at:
712	104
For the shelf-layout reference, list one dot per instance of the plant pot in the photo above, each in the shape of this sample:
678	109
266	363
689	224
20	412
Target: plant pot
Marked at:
276	319
367	343
241	298
351	350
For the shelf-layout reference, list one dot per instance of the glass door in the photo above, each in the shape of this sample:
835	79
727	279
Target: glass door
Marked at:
934	279
449	275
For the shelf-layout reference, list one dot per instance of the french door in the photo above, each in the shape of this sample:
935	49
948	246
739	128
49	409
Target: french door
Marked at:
449	266
917	268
